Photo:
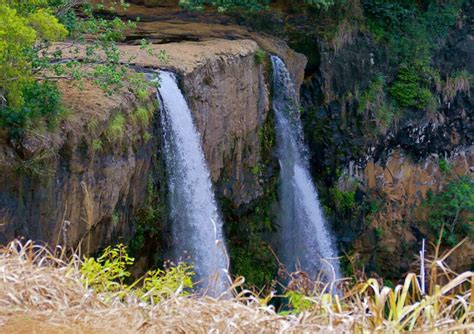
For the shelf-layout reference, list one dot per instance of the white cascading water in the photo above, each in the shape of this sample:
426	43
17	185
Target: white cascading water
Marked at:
306	242
196	223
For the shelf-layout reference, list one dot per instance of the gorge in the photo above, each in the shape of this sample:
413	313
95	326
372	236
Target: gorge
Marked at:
236	166
327	139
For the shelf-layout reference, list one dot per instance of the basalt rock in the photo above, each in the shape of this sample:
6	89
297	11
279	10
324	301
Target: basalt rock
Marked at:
77	185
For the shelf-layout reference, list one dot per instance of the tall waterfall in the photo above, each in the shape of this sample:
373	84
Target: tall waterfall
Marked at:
196	222
306	242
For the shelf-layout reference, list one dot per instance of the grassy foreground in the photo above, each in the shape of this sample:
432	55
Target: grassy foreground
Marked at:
40	292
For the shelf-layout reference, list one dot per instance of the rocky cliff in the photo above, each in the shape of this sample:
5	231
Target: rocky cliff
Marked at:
87	182
375	174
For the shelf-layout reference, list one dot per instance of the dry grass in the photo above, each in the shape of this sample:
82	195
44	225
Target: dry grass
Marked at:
39	291
458	83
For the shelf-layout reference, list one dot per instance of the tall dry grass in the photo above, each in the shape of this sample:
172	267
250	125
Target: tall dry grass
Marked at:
44	291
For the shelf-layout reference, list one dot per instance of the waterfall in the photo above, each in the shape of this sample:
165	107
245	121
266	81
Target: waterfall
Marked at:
196	222
306	241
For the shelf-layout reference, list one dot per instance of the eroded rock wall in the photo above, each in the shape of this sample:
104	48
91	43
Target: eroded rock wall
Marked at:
374	176
81	185
76	183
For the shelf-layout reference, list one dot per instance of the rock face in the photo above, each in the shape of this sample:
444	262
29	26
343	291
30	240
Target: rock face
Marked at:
76	182
77	185
403	184
391	165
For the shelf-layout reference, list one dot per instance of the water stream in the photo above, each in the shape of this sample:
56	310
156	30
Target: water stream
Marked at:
306	242
196	222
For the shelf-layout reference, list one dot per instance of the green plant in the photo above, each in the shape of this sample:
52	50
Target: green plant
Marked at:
374	103
116	128
147	221
298	302
344	200
108	272
250	5
25	24
161	284
260	56
40	106
444	166
147	137
408	90
108	275
97	145
378	232
453	208
142	116
28	30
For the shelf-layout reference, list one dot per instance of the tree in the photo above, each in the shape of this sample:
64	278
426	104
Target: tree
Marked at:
29	66
25	26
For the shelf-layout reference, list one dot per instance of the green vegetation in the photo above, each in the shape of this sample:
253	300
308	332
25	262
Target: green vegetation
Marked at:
444	166
412	33
30	67
40	107
248	229
116	128
374	104
249	247
108	274
343	200
251	5
409	91
260	56
142	116
97	145
148	223
452	208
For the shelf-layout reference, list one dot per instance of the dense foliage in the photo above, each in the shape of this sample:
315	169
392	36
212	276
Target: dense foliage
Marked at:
253	5
29	29
453	209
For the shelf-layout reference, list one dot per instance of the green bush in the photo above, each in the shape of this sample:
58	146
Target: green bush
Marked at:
41	106
343	200
452	208
408	91
252	5
108	275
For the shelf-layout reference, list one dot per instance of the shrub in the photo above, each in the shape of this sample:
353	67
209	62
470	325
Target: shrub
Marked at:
41	106
444	166
343	200
407	89
97	144
453	208
108	274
